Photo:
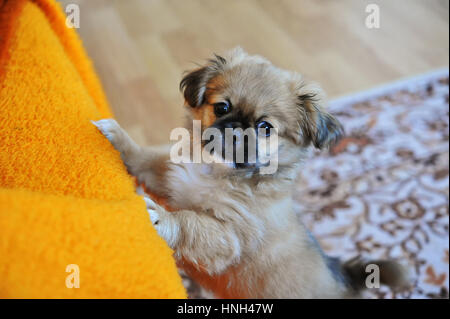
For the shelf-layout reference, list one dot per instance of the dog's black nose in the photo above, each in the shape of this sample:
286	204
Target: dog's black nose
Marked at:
233	125
237	134
243	165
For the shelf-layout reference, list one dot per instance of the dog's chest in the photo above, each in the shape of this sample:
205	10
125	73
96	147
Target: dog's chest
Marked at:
190	186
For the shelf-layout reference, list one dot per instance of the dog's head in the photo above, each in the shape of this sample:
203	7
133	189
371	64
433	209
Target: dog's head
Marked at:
248	93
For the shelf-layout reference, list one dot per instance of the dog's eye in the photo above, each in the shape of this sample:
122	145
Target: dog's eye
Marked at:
265	126
222	108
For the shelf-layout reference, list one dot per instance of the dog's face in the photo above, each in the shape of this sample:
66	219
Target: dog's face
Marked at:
245	92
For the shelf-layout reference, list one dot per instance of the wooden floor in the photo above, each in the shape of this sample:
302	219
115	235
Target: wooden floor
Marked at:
141	47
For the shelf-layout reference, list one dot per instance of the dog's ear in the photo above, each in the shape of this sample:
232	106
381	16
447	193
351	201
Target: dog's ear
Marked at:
316	125
193	84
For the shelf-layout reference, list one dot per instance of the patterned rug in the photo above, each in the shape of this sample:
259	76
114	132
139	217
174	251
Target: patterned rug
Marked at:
383	191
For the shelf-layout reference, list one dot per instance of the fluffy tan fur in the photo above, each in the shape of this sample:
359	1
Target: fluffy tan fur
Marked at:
236	232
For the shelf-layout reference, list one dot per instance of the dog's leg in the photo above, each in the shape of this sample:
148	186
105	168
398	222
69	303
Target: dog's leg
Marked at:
147	164
200	237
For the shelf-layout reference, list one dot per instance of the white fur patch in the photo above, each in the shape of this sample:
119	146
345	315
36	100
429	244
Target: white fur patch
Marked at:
151	209
154	216
168	231
108	127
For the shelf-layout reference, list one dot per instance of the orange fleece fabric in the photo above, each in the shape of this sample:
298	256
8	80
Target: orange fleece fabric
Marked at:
65	195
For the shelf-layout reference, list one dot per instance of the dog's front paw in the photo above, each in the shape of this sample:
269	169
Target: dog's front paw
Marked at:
164	224
110	129
152	210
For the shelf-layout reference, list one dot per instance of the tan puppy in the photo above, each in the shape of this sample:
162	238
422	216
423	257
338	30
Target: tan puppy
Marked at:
234	229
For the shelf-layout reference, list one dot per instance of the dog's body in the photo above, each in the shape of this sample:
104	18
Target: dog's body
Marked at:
233	229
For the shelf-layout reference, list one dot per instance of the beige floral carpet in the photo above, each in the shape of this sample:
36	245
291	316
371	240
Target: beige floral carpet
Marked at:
383	191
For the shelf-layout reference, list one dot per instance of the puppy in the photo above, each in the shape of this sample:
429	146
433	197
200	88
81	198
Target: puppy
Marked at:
233	228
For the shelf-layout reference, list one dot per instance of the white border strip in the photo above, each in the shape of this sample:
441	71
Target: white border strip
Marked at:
385	89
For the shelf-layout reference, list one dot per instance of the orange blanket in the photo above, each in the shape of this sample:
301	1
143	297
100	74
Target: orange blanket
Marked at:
65	196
